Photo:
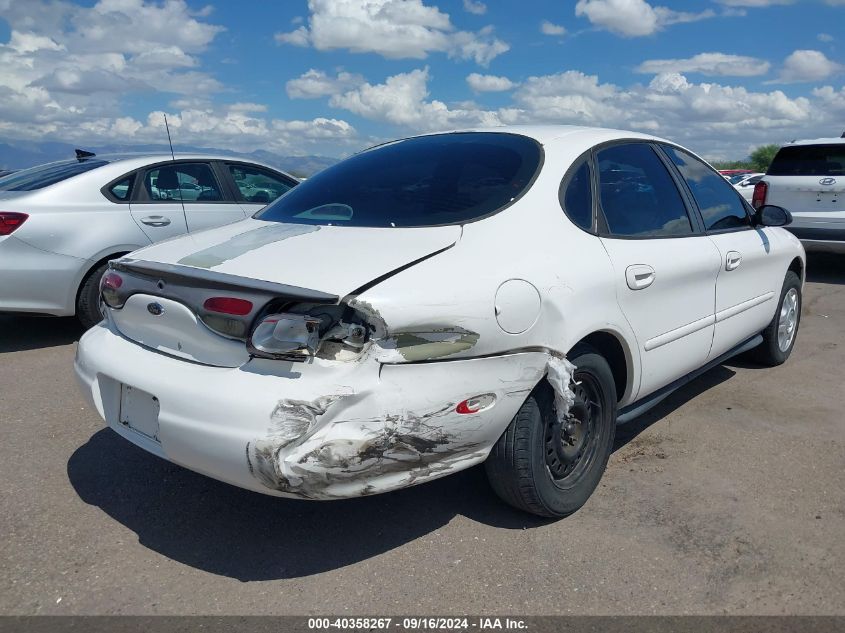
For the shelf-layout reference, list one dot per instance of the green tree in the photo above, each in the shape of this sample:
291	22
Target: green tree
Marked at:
762	157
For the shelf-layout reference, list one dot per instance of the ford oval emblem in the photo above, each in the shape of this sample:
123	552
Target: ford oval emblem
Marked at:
155	309
827	181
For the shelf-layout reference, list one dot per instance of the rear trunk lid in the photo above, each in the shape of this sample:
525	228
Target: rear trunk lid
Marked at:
166	286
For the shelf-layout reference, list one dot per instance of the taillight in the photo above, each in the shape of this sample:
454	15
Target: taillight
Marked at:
110	283
10	221
758	198
286	336
228	305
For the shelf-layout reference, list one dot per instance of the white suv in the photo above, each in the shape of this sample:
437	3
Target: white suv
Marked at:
807	178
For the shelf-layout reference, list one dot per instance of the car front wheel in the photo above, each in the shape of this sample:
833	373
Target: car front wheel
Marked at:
779	337
549	468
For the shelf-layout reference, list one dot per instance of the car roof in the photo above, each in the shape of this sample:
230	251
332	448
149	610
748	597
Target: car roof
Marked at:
547	133
818	141
138	159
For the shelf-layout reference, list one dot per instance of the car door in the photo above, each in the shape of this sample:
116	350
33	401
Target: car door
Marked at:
255	186
750	279
665	267
153	205
207	201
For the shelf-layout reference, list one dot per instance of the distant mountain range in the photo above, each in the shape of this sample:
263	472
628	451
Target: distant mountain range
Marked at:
22	154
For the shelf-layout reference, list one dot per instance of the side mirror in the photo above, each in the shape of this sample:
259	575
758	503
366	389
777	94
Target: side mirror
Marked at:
771	215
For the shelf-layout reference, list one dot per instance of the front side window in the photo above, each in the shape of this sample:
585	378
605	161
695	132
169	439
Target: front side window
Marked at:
188	182
424	181
809	160
46	175
637	193
577	197
720	205
258	185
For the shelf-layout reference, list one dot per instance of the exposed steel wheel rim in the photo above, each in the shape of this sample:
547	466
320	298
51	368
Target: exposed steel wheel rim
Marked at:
571	446
788	319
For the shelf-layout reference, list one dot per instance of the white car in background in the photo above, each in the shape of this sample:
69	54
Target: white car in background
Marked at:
61	222
744	183
499	296
808	179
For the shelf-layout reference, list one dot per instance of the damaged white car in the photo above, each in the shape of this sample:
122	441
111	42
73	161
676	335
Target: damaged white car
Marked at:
497	296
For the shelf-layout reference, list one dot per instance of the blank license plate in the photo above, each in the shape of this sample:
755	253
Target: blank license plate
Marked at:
139	411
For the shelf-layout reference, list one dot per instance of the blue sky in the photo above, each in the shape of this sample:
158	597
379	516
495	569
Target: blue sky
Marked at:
333	76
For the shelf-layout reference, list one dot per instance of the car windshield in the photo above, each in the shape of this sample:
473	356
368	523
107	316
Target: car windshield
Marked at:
46	175
809	160
430	180
736	178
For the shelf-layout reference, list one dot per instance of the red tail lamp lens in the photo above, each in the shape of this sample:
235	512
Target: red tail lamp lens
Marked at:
111	281
10	221
228	305
758	198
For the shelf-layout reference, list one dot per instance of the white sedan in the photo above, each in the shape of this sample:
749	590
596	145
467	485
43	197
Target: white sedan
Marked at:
500	296
61	223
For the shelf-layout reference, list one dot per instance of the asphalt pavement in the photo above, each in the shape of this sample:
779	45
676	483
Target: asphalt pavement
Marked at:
729	497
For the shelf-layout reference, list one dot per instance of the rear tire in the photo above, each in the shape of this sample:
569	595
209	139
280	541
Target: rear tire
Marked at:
550	470
779	336
88	299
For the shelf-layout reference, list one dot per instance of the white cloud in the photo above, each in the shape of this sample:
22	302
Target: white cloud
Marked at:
808	66
316	83
402	100
395	29
549	28
298	37
474	6
67	68
633	18
489	83
824	37
712	64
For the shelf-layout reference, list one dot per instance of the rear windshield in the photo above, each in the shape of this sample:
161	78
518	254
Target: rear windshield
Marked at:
46	175
425	181
809	160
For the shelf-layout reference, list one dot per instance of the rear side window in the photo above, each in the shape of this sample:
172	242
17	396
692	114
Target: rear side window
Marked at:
122	189
424	181
46	175
258	185
577	197
188	182
809	160
720	204
637	193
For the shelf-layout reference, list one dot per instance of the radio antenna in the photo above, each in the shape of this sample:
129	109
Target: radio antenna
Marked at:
169	142
173	157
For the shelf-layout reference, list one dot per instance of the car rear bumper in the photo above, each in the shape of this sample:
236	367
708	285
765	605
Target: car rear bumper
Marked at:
320	430
821	237
37	281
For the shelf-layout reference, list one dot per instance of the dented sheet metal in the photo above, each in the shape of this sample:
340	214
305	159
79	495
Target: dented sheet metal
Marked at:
353	445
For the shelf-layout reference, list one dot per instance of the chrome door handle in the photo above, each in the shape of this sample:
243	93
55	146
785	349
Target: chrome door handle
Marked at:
639	276
733	260
155	220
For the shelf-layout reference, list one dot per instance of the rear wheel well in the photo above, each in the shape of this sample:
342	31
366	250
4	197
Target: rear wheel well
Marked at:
797	266
611	349
94	267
